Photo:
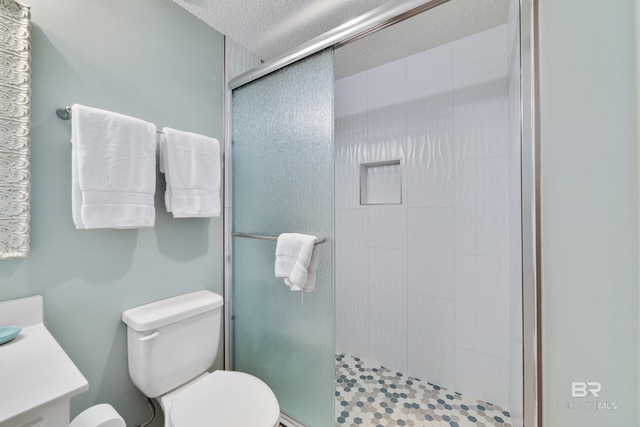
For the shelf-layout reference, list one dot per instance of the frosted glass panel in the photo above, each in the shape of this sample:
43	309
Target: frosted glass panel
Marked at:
283	180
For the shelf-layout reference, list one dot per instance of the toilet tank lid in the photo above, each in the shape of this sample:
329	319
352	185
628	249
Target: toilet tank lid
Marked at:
170	310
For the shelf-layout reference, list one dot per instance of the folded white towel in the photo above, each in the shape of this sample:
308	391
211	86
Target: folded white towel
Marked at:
113	170
310	283
297	260
191	164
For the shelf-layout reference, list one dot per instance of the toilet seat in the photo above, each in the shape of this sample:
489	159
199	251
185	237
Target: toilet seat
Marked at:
226	399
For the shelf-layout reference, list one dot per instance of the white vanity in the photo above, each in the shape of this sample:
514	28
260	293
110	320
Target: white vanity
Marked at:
37	378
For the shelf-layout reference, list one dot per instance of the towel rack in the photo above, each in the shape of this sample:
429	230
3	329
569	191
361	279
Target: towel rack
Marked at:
255	236
65	114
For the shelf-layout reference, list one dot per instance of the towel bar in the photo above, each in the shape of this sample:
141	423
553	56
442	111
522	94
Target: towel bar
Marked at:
65	114
254	236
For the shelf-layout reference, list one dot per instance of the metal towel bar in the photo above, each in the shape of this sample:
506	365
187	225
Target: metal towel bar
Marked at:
65	114
255	236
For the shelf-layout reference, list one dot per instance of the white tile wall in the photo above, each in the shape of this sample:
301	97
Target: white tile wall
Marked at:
515	318
430	163
388	288
238	59
387	226
426	283
388	348
383	146
350	105
482	299
349	155
431	349
482	200
478	374
430	84
352	246
431	252
352	313
481	109
386	100
481	46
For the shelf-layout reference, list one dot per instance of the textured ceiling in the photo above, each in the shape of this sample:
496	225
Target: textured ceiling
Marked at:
269	28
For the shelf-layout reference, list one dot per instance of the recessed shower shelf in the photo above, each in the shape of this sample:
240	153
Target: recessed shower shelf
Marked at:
381	183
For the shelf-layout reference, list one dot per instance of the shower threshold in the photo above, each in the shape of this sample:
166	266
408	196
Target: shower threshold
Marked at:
370	395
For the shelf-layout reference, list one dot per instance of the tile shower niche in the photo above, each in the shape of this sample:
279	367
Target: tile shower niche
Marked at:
381	183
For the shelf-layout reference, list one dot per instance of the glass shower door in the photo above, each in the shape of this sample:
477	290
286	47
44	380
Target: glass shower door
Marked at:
283	181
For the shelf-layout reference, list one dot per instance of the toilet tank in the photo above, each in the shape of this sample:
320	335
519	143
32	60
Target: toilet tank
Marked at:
172	341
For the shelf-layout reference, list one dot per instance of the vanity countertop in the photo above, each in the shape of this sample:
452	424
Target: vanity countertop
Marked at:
34	369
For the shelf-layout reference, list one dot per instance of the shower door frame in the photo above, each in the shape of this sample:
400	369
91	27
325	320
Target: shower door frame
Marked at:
375	20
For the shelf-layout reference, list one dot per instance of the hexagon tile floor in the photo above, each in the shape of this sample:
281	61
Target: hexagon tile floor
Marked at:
368	395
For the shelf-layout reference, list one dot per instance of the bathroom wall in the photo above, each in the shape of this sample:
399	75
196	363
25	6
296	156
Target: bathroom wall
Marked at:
152	60
422	286
589	122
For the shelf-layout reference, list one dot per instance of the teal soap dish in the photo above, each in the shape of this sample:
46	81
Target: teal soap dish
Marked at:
8	333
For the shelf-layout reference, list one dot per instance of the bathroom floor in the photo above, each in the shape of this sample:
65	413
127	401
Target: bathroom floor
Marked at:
369	395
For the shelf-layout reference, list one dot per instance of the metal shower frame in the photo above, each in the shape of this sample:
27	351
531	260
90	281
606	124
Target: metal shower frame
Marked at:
382	17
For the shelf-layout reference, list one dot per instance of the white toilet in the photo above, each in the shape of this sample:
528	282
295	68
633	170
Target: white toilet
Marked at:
171	344
102	415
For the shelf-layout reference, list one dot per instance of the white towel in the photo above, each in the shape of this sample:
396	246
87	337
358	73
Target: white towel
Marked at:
191	165
297	261
113	170
310	283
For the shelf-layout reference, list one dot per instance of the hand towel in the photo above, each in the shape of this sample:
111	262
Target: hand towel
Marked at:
191	165
113	170
310	283
296	260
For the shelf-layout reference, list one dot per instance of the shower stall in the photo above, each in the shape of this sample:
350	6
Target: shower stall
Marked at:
408	163
427	233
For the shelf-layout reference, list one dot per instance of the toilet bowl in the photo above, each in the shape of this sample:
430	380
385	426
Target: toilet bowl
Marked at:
171	345
102	415
223	398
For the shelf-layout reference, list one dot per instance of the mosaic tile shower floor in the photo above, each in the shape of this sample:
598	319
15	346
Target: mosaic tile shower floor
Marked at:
368	395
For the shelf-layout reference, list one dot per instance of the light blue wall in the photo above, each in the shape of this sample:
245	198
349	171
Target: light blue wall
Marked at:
148	59
589	209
